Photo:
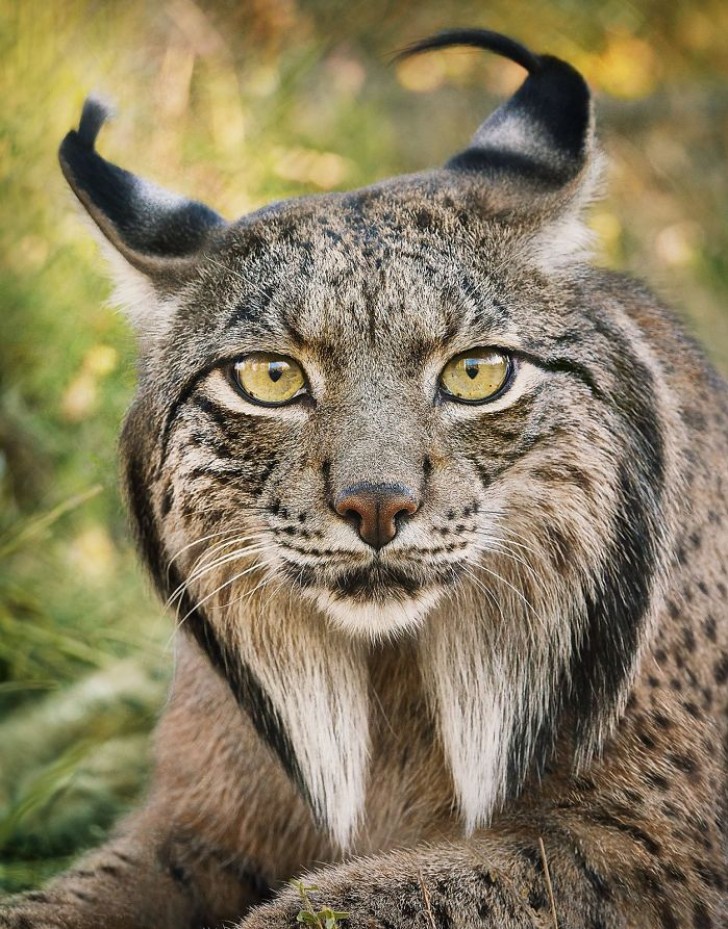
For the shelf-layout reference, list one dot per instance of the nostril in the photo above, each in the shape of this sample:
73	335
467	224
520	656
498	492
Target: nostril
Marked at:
401	516
408	508
351	516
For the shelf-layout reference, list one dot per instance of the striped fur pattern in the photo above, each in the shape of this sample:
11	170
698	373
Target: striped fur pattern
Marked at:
530	682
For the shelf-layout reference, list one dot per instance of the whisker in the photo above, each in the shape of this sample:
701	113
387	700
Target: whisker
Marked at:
511	541
531	612
498	548
200	567
502	580
249	593
215	558
233	540
219	588
194	542
191	544
489	593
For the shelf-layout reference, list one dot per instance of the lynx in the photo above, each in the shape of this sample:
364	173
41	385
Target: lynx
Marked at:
441	509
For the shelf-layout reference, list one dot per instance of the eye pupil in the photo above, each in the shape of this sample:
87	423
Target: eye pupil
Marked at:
472	367
275	370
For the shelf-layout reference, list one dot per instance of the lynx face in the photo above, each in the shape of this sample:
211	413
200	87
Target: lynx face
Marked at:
370	327
410	408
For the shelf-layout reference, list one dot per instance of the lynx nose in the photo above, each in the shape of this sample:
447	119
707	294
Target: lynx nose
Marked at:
373	509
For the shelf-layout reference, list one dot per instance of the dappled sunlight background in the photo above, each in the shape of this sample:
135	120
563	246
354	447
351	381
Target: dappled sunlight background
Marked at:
238	104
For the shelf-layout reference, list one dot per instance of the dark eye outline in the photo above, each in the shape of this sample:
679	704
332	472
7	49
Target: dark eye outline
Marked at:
302	394
445	394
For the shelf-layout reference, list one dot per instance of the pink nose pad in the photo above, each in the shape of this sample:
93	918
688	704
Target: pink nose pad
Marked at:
373	509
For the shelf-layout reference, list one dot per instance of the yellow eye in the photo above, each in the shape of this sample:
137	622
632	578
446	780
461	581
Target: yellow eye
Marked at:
269	379
476	375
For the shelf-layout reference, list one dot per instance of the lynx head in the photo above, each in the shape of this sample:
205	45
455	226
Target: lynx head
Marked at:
410	409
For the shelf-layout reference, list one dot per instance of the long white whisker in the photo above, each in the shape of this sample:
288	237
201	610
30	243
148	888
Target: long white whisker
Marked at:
489	593
194	542
501	520
221	587
498	577
249	593
200	568
531	612
206	566
498	548
225	543
505	537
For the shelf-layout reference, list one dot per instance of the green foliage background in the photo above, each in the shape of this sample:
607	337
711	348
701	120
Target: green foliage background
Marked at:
237	104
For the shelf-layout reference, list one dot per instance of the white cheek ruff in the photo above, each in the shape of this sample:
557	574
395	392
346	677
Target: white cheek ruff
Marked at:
316	679
476	717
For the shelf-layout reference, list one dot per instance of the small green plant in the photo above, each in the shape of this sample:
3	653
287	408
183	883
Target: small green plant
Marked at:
325	918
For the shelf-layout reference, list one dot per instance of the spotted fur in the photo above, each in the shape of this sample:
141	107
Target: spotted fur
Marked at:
526	691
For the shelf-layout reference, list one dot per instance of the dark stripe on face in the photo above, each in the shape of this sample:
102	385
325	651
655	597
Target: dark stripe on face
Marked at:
565	366
246	688
604	656
253	306
218	414
185	392
203	403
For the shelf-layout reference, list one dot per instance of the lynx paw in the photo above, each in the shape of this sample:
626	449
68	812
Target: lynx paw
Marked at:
337	900
343	907
396	894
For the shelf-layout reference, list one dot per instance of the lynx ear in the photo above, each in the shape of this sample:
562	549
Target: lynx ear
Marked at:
154	235
533	158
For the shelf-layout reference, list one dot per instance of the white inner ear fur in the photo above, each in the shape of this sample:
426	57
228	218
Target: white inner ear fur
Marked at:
567	240
134	294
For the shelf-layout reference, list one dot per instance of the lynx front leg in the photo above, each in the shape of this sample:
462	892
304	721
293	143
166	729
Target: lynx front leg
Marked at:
222	822
506	881
441	888
150	877
436	889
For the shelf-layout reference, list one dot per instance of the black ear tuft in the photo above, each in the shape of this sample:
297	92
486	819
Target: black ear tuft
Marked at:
147	225
542	136
476	38
93	116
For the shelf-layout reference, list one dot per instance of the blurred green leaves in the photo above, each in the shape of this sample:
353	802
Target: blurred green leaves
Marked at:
71	760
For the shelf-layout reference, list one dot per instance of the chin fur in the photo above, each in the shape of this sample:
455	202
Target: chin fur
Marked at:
377	619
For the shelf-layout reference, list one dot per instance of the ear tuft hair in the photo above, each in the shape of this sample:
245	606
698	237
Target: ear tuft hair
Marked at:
147	225
540	140
93	116
486	39
533	161
152	238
